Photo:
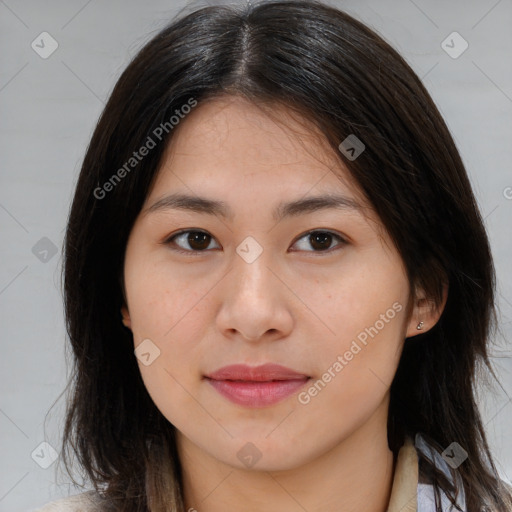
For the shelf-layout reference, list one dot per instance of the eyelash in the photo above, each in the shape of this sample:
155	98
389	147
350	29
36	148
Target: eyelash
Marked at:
191	252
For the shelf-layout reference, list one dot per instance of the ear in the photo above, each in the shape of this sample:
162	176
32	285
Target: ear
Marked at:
126	317
425	313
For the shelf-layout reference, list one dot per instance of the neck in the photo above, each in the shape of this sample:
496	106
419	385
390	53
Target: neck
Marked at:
355	475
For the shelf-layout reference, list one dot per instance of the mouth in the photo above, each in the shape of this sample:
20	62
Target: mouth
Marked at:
259	386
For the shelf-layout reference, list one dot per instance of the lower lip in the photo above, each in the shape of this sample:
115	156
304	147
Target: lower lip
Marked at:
257	394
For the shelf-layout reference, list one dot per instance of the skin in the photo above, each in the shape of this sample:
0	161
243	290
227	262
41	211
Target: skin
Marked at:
295	305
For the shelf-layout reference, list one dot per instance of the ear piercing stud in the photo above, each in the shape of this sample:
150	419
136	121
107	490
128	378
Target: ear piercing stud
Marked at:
419	326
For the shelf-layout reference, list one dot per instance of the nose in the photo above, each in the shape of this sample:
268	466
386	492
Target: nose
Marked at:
256	304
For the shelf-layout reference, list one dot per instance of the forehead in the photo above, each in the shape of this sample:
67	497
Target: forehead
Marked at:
231	142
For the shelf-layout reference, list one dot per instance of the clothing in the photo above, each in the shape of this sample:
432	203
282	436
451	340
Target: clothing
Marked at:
407	494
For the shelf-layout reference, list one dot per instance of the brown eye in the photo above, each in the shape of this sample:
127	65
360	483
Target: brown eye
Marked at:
194	242
197	241
320	240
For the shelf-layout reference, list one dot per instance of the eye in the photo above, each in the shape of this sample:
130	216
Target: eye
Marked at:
321	240
198	241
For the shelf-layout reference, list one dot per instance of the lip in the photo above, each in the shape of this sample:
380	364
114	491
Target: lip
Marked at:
258	386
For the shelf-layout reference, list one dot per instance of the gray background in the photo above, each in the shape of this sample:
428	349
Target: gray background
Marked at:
48	109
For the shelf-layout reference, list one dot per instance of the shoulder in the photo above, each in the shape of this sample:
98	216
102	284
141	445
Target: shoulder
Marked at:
89	501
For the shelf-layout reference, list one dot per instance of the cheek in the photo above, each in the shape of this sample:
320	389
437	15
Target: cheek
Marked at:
163	302
174	322
364	294
364	310
366	351
169	309
172	391
354	374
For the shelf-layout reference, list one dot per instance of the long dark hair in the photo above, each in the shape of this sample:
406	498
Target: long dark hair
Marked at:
338	74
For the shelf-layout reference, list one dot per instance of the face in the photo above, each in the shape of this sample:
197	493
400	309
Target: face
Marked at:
315	288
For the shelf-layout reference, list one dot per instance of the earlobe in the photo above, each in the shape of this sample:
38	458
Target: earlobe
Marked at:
425	314
126	317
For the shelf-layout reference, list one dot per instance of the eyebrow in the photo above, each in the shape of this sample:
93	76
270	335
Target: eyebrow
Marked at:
221	209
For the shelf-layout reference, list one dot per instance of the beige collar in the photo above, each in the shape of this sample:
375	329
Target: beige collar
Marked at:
405	481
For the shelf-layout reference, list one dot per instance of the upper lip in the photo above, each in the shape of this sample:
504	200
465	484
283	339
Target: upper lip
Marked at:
262	373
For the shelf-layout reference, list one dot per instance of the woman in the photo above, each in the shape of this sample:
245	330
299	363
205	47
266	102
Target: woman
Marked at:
278	285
